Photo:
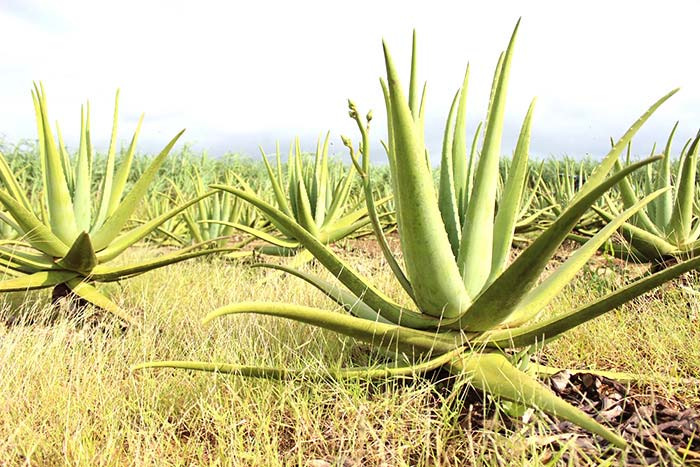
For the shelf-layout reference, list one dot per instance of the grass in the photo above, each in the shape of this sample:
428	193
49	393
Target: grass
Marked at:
68	397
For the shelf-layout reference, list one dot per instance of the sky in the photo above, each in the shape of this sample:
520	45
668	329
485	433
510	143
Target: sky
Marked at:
238	75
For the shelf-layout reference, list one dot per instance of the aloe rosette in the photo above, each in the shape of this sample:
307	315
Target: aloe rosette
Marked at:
68	241
669	226
314	194
468	305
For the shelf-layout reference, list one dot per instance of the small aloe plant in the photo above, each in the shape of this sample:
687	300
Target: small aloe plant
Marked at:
314	194
468	306
669	226
67	242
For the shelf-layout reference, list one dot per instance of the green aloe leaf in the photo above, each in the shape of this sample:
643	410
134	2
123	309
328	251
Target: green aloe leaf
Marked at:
81	256
125	240
60	205
552	327
88	292
38	280
431	268
371	372
37	233
509	207
539	297
359	285
493	306
106	273
349	301
476	248
113	225
492	373
386	336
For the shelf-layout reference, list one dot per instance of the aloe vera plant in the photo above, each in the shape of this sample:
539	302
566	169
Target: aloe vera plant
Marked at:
67	241
669	226
316	196
468	305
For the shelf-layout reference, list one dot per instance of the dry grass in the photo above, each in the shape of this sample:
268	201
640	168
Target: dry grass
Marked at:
68	397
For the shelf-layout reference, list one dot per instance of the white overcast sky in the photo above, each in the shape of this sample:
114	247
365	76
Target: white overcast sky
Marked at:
239	74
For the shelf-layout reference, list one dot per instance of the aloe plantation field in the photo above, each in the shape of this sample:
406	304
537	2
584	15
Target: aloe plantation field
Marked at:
324	309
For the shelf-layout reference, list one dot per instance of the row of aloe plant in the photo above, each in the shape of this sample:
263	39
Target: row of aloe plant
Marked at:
470	306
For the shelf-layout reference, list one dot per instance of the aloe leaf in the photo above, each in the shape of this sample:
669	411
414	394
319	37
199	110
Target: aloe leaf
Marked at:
664	205
81	256
344	272
82	197
88	292
37	280
11	184
371	372
37	234
492	373
476	248
682	215
650	245
437	285
629	198
29	261
493	306
107	273
386	336
275	181
122	175
458	148
125	240
504	225
107	180
552	327
448	193
61	216
340	198
604	167
264	236
113	225
544	293
349	301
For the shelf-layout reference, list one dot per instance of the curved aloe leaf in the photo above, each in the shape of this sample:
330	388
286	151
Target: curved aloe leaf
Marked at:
372	372
342	297
37	233
552	327
543	294
344	272
494	374
387	336
38	280
476	248
105	273
88	292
